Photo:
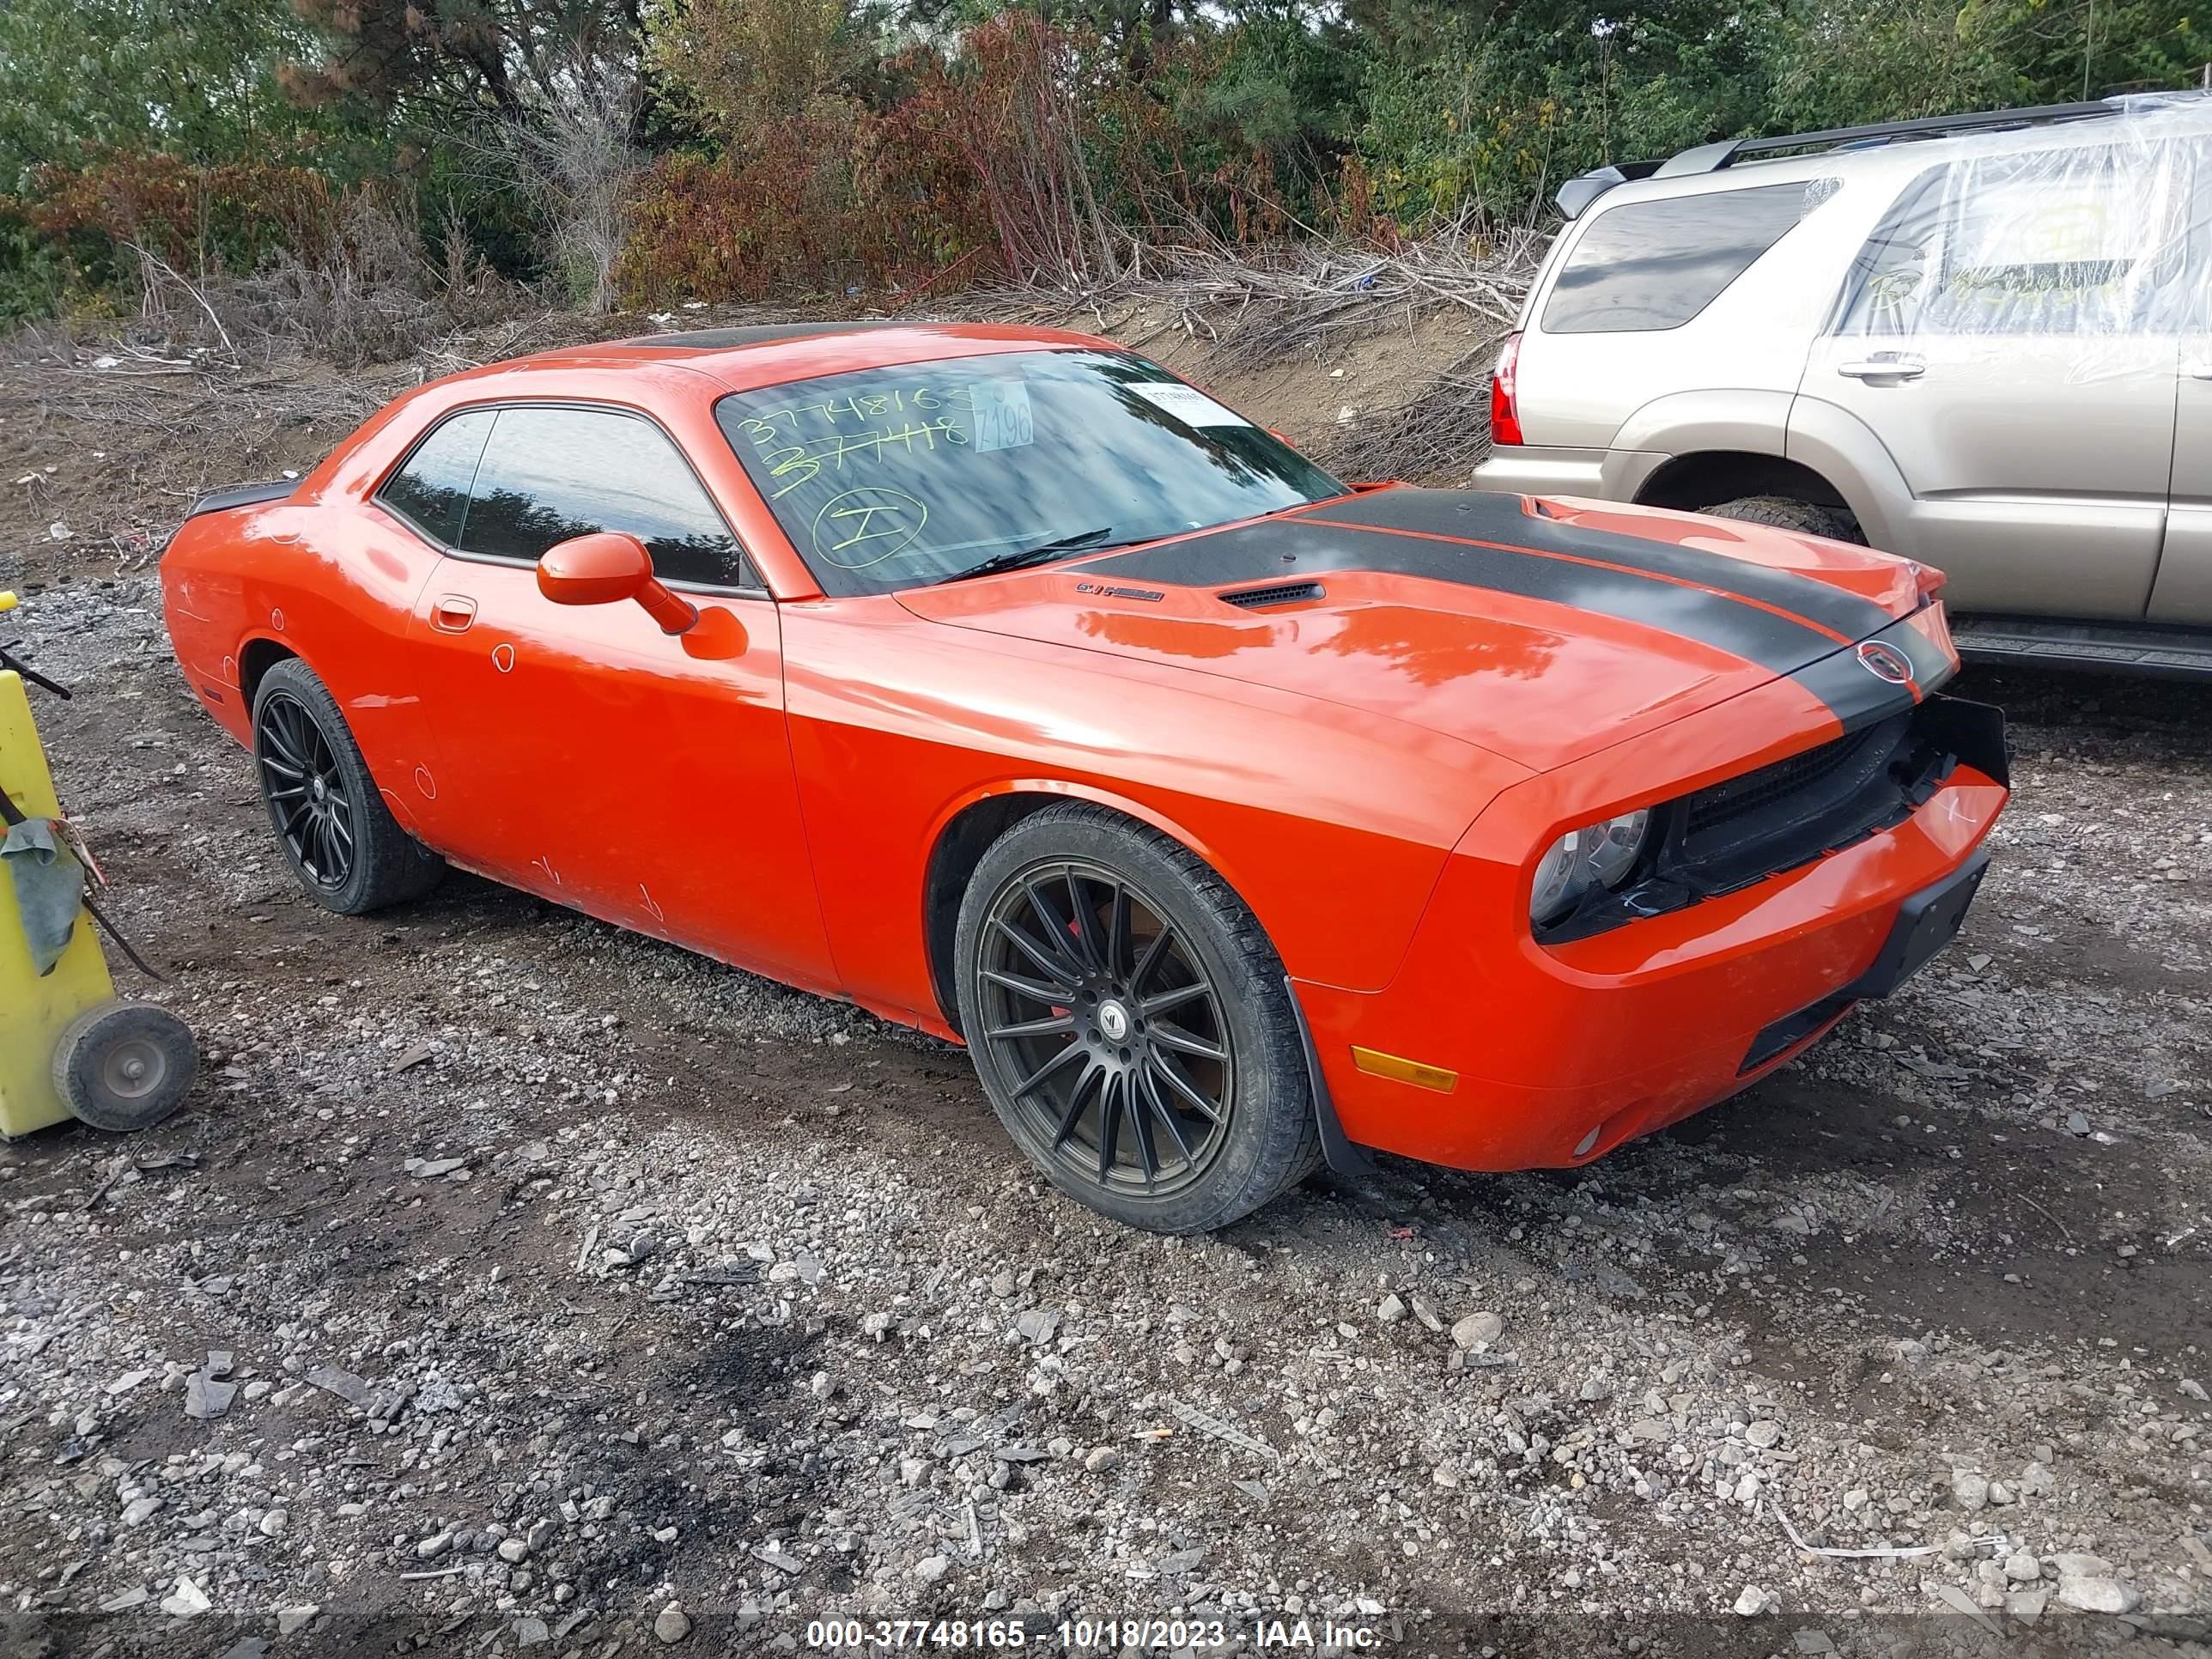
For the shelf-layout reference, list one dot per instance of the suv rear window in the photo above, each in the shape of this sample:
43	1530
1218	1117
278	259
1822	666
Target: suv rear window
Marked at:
1646	265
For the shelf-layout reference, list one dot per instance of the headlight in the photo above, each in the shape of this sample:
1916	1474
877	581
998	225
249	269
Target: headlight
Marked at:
1597	855
1615	844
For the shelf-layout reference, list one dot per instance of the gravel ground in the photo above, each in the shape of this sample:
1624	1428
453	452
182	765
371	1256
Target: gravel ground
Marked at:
550	1288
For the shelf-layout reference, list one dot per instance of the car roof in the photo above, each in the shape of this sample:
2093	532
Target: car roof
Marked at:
744	358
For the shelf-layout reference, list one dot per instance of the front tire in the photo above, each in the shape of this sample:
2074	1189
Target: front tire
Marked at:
341	841
1131	1023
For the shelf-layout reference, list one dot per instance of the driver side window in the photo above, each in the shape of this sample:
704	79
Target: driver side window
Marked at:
551	472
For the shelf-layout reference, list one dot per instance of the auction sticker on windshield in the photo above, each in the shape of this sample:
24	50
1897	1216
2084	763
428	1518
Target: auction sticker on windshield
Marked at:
1188	403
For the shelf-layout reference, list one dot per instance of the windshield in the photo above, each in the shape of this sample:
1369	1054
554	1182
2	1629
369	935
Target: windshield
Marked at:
896	478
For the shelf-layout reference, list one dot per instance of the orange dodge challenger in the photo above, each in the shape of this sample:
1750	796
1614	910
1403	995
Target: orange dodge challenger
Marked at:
1236	819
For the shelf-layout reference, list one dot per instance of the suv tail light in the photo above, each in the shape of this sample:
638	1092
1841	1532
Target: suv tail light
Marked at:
1504	409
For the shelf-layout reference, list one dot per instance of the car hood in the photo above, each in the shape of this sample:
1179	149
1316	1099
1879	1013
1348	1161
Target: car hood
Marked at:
1540	630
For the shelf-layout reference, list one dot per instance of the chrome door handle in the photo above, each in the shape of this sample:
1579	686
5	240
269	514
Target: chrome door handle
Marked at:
1884	368
2199	368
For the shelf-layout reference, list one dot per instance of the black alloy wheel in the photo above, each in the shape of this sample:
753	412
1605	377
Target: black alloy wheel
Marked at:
339	835
1131	1023
306	789
1106	1016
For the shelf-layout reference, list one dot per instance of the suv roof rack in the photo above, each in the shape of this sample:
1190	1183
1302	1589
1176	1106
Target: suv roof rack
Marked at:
1577	194
1709	158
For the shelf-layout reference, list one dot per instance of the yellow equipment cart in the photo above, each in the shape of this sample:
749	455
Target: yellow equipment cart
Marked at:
67	1047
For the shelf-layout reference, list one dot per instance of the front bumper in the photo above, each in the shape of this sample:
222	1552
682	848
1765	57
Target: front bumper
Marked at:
1562	1053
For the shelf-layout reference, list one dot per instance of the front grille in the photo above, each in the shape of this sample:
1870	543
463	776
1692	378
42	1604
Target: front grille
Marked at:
1255	599
1745	828
1817	799
1735	797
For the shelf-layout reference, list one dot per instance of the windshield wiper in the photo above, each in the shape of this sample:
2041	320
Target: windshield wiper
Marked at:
1020	558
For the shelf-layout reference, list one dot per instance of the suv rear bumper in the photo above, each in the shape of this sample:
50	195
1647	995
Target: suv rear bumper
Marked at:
1610	475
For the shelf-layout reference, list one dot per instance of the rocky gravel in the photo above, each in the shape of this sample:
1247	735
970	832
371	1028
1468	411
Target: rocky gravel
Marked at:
512	1283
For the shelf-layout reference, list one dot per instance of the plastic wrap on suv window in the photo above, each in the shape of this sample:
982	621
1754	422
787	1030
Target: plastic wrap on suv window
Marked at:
2088	237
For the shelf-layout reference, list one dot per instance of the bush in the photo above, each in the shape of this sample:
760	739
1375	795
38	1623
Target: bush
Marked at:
779	217
1019	156
34	273
229	217
823	146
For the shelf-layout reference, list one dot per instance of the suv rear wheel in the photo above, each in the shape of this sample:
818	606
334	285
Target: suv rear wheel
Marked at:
1807	517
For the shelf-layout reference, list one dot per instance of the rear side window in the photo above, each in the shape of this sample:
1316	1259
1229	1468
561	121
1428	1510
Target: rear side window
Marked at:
431	491
550	473
1647	265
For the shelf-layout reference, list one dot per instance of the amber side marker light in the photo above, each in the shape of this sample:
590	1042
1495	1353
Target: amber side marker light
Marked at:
1377	1064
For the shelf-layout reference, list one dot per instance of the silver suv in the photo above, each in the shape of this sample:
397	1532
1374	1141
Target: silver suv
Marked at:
1982	342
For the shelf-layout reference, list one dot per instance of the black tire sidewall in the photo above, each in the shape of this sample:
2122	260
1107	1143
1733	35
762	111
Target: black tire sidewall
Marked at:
1270	1109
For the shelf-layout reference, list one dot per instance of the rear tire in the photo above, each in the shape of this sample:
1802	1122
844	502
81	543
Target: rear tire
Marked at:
1131	1023
1807	517
341	841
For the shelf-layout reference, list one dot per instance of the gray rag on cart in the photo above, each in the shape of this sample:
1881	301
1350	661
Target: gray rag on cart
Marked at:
49	889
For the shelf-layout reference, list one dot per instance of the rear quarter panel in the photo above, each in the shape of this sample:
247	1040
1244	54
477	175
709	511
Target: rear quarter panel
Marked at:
329	583
1584	390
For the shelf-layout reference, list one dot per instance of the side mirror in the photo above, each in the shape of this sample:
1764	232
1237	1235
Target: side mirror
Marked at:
605	566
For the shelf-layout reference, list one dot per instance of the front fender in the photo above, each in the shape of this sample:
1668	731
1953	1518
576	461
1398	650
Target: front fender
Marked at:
1331	826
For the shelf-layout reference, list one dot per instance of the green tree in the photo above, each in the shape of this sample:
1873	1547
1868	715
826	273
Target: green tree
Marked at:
199	81
729	68
1844	63
454	59
2049	51
1490	107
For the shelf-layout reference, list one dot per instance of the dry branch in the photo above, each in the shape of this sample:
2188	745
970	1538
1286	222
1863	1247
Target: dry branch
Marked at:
1304	301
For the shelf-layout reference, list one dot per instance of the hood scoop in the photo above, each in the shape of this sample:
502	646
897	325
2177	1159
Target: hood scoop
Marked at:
1261	598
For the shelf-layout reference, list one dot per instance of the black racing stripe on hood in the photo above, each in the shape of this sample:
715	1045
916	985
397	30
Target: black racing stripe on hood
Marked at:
1487	516
1859	696
1855	696
1297	547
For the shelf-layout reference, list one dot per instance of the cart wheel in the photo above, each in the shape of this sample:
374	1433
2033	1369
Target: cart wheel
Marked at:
125	1065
